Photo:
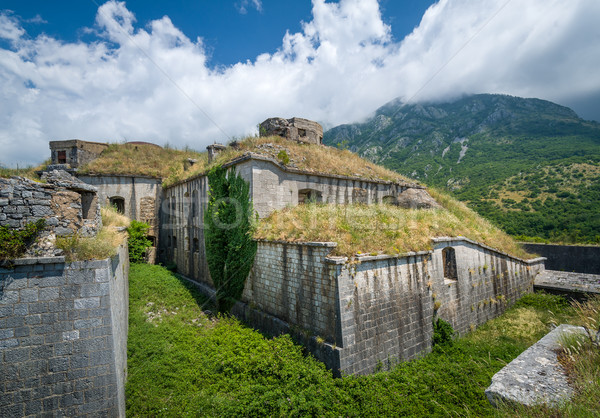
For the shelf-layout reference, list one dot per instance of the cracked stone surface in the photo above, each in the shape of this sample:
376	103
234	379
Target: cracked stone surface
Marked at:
535	376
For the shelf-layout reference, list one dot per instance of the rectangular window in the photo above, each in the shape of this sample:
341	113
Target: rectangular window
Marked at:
62	157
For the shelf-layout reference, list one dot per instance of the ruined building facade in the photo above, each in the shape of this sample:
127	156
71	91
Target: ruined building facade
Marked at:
351	314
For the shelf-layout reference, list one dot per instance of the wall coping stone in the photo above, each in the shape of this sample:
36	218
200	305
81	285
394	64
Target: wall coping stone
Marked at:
253	156
535	376
38	260
78	174
487	247
301	243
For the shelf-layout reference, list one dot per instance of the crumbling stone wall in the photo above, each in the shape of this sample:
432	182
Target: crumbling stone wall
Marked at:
67	205
295	129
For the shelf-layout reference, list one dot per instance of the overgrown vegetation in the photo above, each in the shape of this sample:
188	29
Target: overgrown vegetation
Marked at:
230	249
182	361
103	245
138	242
442	333
27	172
383	228
14	242
144	159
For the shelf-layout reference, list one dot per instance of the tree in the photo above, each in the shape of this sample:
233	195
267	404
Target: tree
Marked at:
230	248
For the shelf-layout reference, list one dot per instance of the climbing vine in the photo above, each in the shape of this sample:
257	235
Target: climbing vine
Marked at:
230	248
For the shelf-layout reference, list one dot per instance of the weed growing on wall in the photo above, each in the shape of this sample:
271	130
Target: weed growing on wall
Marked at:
138	241
230	249
13	243
442	333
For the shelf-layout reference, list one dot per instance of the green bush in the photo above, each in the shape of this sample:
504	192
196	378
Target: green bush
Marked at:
230	248
283	157
138	241
13	243
442	333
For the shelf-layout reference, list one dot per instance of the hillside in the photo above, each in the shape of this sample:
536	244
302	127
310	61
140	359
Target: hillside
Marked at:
529	165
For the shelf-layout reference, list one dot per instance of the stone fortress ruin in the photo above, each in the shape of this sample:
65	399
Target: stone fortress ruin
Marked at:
351	313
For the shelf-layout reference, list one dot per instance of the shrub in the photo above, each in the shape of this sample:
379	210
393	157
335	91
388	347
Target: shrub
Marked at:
283	157
13	243
230	248
442	333
138	241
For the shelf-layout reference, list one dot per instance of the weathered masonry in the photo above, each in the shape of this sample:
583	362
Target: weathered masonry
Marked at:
361	313
272	186
63	337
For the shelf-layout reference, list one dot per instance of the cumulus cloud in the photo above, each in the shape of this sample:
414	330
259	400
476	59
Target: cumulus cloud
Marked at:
154	83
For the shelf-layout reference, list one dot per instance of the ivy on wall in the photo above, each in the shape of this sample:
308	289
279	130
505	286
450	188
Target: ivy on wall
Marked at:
230	249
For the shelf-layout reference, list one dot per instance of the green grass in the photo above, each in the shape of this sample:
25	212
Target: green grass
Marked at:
183	362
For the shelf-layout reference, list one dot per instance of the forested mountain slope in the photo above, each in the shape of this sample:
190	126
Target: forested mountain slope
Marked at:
529	165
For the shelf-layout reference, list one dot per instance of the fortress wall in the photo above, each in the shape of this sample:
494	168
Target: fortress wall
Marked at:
63	337
292	282
182	228
571	258
141	195
275	189
487	282
386	311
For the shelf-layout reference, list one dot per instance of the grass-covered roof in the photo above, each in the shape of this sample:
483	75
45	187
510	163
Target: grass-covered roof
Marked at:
384	229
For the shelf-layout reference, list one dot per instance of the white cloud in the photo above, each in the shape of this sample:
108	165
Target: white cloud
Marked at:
154	84
242	6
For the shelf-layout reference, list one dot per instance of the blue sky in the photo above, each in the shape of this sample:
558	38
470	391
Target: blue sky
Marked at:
232	31
193	73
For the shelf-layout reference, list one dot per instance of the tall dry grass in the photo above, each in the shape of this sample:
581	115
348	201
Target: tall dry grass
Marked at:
143	159
103	245
383	228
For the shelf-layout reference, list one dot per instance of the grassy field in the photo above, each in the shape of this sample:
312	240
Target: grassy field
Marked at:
182	362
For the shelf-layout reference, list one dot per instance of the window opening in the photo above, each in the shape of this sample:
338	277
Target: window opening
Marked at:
449	260
118	203
309	196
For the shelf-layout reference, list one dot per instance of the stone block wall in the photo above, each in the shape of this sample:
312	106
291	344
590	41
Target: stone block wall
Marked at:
273	187
63	337
295	129
568	258
386	311
293	282
486	283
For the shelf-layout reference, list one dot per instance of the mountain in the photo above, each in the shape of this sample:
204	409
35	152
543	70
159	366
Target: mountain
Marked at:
529	165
